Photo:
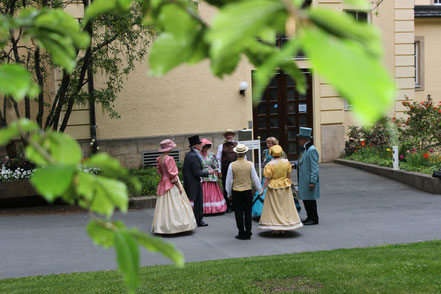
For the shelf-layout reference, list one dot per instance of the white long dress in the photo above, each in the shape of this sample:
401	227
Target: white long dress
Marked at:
173	212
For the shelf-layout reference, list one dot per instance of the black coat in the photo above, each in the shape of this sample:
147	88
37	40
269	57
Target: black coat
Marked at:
192	175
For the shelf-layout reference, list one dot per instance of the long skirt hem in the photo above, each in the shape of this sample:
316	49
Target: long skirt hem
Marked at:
279	211
280	228
173	213
214	201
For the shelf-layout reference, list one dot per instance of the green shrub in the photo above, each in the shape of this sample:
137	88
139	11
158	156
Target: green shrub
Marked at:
377	136
422	127
149	179
373	155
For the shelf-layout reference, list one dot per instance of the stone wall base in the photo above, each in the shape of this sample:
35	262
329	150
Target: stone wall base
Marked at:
333	142
129	150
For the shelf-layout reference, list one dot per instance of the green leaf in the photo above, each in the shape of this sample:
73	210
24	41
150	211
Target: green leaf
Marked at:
60	50
168	52
103	232
344	26
266	71
16	81
33	154
155	244
86	185
127	255
108	166
174	20
63	25
53	180
109	194
239	23
13	130
64	148
7	135
58	33
26	125
357	75
101	7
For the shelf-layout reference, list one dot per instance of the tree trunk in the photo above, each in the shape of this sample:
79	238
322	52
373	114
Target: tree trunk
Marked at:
40	81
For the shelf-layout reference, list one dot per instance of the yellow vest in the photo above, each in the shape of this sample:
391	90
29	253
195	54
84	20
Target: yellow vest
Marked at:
241	174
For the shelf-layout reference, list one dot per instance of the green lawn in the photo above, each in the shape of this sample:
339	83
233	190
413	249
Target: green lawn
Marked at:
409	268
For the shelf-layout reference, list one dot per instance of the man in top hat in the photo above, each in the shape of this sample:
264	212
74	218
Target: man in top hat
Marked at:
241	175
192	178
308	176
225	156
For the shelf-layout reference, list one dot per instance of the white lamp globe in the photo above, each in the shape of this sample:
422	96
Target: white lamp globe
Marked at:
243	86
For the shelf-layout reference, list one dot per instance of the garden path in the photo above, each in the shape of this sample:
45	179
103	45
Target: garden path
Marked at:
357	209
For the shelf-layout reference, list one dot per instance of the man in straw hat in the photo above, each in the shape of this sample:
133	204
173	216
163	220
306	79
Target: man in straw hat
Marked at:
225	156
241	175
308	176
192	178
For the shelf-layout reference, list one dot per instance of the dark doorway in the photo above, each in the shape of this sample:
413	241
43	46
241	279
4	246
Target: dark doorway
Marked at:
282	111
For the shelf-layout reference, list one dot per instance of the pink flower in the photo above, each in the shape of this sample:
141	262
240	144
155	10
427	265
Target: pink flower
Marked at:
431	150
413	149
401	156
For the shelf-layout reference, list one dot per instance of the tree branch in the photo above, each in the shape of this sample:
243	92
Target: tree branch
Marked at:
40	81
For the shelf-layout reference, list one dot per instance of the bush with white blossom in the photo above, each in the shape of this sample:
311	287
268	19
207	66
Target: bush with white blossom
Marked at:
7	175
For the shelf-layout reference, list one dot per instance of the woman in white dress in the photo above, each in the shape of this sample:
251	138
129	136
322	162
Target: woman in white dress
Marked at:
173	212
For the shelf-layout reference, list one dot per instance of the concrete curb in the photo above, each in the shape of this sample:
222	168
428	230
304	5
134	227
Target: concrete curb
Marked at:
142	202
419	181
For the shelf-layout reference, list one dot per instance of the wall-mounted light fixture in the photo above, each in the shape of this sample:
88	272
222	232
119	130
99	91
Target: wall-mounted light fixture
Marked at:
243	86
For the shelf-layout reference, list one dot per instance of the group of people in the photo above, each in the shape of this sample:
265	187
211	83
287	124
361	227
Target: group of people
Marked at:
181	208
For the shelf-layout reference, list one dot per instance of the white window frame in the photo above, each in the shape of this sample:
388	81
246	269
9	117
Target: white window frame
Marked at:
436	2
419	63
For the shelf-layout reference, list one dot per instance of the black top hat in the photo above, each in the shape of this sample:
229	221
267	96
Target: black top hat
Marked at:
194	140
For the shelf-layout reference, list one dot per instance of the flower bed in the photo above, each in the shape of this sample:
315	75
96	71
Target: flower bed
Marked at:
418	137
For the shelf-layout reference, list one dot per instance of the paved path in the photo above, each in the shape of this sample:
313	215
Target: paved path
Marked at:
357	209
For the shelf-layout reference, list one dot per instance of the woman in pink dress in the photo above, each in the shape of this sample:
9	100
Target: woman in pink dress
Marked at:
214	201
173	212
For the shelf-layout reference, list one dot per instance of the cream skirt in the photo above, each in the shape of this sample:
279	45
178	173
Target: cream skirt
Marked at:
279	211
173	213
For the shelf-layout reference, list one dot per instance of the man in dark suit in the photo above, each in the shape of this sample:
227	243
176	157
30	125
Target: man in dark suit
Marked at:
192	178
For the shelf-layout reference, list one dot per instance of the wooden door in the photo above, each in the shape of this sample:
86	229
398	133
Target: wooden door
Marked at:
282	111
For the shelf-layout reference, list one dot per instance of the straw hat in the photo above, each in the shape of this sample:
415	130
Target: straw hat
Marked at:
240	148
229	131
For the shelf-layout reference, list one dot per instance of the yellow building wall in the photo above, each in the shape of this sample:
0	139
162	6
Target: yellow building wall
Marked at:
192	100
189	99
428	30
395	21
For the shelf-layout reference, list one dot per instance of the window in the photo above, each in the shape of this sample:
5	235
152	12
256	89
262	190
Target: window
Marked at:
360	16
437	2
418	60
